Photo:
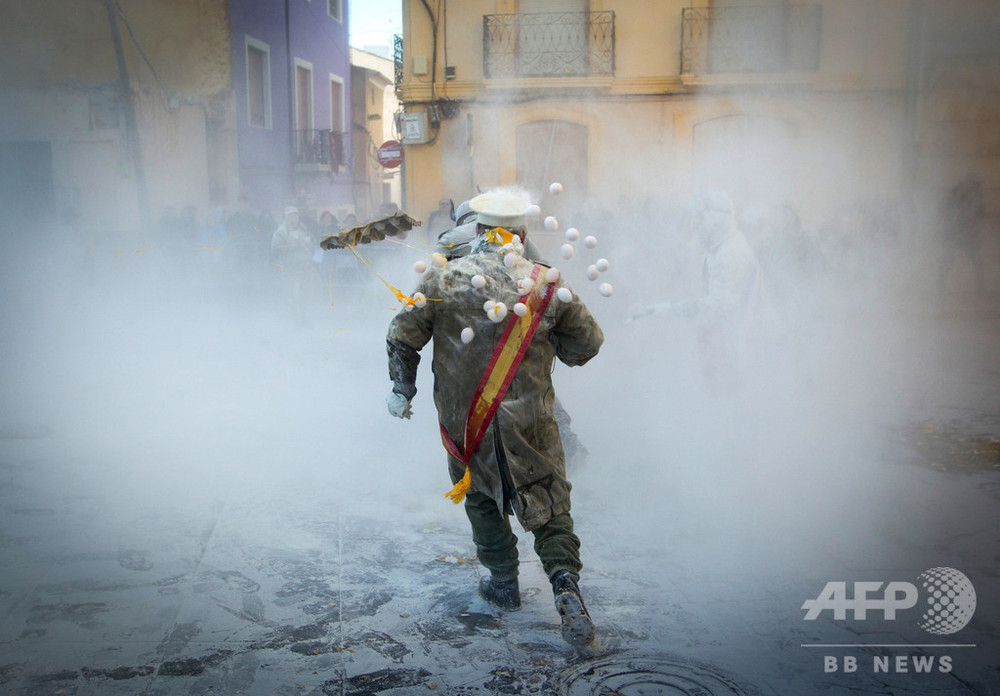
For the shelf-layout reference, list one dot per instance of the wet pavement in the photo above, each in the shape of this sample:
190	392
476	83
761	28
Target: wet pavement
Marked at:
321	558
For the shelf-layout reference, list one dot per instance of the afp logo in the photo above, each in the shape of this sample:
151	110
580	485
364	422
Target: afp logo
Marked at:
946	603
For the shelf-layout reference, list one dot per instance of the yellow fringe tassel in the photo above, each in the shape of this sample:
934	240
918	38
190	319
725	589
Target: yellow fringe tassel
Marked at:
457	494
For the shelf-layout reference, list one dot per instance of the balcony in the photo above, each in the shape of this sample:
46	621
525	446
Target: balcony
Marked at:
750	39
320	150
549	44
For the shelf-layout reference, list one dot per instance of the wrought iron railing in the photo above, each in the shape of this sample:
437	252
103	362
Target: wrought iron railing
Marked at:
397	58
549	44
323	147
750	39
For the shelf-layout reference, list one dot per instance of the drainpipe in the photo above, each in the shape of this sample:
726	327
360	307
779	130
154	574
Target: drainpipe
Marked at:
434	46
131	128
291	101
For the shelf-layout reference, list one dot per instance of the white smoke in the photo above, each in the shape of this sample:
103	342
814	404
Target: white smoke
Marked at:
160	379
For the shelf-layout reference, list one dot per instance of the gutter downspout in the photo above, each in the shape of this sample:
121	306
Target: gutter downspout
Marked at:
131	127
434	46
291	101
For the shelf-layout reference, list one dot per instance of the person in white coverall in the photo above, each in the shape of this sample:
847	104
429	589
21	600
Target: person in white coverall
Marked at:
728	309
292	249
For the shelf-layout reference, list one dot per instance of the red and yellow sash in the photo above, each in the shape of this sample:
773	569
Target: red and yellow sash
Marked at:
497	377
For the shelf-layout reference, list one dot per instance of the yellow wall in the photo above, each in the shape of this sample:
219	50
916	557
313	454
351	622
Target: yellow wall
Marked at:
641	122
867	124
53	42
58	59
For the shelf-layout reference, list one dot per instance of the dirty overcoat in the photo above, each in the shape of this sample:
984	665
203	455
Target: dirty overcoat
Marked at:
523	437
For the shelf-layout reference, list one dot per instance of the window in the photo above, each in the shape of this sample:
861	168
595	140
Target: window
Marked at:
303	95
258	83
337	124
308	148
335	8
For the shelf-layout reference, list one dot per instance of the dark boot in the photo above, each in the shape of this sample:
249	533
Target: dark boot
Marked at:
577	627
503	593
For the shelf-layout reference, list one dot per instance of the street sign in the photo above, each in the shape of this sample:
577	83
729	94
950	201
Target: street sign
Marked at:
390	154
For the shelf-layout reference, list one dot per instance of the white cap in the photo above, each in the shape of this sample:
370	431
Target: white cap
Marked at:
499	209
464	208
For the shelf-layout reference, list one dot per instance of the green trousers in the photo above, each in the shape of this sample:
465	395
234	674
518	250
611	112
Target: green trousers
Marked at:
557	546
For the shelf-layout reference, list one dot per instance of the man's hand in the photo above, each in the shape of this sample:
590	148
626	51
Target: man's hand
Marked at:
399	405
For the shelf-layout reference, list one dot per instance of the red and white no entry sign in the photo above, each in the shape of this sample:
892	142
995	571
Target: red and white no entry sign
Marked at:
390	154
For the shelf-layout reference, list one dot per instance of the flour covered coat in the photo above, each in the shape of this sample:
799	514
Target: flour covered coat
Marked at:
521	452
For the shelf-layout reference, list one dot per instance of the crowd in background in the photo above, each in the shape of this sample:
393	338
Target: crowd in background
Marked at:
264	254
866	254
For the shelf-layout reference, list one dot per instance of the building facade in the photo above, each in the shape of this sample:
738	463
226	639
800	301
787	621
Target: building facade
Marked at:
118	116
634	104
373	105
292	86
113	113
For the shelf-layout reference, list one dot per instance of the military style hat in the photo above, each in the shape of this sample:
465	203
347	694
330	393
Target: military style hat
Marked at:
499	209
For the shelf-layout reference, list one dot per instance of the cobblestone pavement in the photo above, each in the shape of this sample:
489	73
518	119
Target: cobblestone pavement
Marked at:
274	532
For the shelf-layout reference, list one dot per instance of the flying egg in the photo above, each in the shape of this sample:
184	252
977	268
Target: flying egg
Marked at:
497	312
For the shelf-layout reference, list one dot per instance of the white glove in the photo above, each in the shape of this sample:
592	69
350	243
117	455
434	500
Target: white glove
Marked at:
399	405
